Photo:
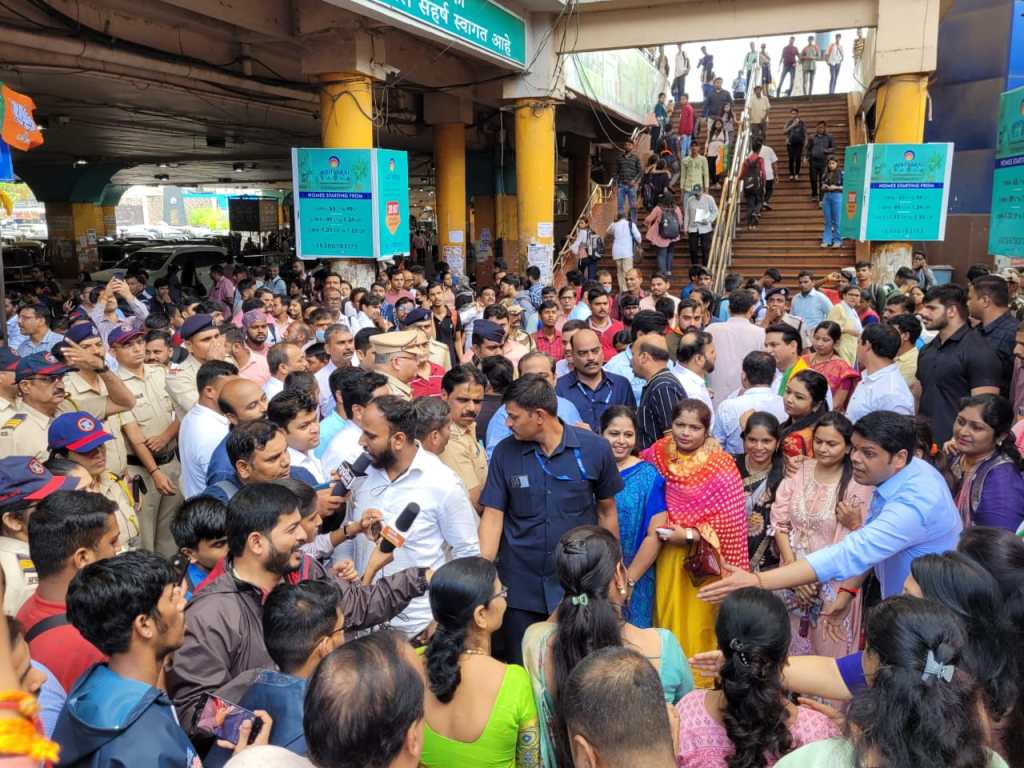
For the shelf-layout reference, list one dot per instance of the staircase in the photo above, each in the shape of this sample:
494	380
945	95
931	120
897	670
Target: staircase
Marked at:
789	236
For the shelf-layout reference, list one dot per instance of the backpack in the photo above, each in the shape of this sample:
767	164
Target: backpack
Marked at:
648	192
751	177
668	227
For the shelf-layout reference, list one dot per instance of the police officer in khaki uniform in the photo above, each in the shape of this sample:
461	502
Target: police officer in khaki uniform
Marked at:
82	439
463	388
8	390
152	438
397	356
23	483
203	342
94	388
40	382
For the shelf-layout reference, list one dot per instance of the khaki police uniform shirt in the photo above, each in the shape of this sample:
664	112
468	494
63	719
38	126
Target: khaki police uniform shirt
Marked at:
438	354
82	396
118	491
117	449
181	385
19	573
154	409
79	395
6	409
399	388
466	457
24	433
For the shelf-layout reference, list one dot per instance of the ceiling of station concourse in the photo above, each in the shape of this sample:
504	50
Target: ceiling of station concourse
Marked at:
191	88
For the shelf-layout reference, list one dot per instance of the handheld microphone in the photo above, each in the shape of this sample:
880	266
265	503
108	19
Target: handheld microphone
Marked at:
392	537
347	474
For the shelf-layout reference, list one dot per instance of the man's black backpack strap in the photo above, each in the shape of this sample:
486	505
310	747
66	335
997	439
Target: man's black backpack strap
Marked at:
50	622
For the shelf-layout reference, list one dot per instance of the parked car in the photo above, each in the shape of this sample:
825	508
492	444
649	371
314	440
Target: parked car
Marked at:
193	263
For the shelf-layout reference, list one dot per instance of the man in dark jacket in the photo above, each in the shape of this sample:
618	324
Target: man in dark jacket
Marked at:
224	632
130	607
819	147
627	175
302	623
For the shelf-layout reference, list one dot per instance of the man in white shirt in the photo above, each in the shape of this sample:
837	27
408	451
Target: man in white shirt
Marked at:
204	426
401	472
696	356
282	359
356	393
626	238
340	346
882	387
810	305
767	154
758	370
660	286
734	339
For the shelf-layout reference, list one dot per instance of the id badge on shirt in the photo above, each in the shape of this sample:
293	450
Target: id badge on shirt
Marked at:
520	481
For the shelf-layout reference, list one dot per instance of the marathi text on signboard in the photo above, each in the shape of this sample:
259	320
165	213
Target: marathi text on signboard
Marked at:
1006	227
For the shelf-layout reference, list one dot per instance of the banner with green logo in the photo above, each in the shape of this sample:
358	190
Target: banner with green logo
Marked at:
1006	227
897	191
351	203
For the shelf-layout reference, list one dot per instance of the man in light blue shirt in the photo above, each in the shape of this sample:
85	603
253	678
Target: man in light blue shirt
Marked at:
644	322
911	514
34	322
531	362
810	305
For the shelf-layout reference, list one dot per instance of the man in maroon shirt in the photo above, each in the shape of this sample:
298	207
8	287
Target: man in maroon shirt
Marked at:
68	530
685	110
601	322
790	55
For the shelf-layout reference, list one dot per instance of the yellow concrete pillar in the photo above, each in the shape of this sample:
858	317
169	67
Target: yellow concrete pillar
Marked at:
900	112
108	215
535	177
450	172
346	110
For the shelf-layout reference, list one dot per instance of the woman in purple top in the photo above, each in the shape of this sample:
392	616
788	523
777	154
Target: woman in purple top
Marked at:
986	473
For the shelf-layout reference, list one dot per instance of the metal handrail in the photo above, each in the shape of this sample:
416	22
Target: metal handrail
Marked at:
598	194
720	256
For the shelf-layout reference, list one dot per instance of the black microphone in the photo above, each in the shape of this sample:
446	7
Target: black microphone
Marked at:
392	537
347	474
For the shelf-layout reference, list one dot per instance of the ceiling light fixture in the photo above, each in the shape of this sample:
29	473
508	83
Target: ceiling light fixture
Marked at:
238	167
80	161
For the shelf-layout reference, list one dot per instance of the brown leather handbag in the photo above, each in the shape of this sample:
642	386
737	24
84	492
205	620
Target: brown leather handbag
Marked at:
702	563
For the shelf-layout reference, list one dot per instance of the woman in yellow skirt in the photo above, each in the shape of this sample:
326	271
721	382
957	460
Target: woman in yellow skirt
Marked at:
704	494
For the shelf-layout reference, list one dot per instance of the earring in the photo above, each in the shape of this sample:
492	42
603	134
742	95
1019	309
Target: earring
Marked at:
622	590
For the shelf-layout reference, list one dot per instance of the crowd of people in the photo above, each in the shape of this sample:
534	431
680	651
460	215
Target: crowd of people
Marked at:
423	523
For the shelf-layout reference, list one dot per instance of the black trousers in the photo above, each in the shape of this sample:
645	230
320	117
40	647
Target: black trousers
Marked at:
796	156
817	168
700	248
513	627
769	187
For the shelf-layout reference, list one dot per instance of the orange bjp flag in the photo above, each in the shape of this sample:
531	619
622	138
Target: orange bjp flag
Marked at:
19	126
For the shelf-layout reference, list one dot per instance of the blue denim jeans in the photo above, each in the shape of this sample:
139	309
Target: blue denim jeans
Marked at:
627	192
831	205
684	145
664	256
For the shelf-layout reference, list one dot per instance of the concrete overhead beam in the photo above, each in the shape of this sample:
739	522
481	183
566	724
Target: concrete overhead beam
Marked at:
627	24
272	18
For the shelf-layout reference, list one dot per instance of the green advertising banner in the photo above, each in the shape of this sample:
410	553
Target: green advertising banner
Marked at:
855	164
482	24
391	204
902	193
1006	227
341	210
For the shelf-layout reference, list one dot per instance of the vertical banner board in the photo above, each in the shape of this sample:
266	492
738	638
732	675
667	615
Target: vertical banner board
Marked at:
351	203
896	191
1006	227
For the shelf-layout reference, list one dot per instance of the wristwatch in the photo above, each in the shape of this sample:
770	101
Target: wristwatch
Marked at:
104	369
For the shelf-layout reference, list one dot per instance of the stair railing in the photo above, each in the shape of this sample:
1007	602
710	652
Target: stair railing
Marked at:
601	193
720	257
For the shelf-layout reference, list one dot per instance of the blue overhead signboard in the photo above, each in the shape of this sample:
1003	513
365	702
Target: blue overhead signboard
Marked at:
1006	226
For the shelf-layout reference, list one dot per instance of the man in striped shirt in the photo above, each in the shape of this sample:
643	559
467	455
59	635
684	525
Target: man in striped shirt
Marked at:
661	393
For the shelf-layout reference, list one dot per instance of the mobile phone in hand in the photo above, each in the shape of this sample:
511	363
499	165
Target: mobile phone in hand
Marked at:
223	719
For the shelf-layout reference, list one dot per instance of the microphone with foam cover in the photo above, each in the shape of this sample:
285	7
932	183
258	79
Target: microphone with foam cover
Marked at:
392	537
